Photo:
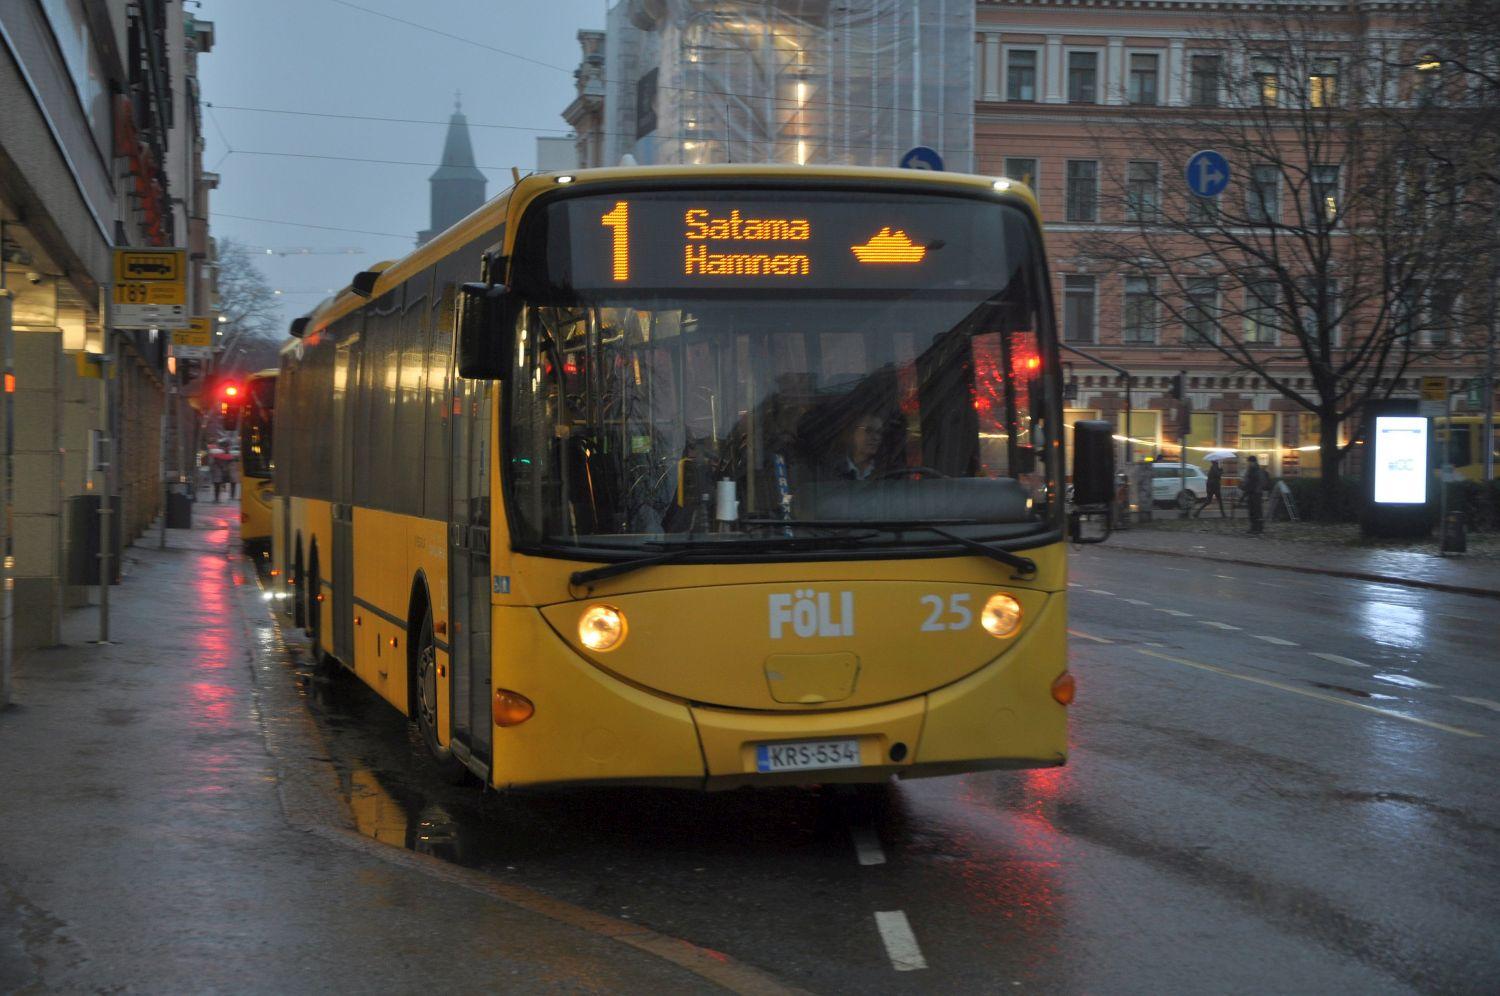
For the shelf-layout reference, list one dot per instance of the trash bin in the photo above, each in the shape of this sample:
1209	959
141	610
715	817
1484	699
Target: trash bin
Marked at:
83	539
179	509
1454	540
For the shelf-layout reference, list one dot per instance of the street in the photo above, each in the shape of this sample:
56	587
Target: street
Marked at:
1279	782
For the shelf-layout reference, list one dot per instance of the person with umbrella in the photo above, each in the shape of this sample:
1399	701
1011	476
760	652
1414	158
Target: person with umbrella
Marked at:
1215	488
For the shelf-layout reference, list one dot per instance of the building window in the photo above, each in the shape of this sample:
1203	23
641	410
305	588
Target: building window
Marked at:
1260	312
1023	169
1143	75
1442	305
1020	74
1083	77
1204	429
1203	211
1323	185
1200	315
1143	429
1265	79
1140	310
1323	83
1142	191
1078	309
1263	195
1207	70
1259	437
1083	190
1320	313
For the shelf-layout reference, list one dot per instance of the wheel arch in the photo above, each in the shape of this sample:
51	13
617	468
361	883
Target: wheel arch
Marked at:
418	602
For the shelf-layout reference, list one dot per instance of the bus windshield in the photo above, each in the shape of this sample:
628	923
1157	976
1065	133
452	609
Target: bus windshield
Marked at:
668	412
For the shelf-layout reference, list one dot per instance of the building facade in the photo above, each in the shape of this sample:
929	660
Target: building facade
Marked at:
1075	99
99	150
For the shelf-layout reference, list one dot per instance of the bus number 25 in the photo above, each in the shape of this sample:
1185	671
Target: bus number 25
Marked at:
945	614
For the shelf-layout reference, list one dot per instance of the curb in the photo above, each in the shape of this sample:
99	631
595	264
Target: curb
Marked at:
1453	589
317	810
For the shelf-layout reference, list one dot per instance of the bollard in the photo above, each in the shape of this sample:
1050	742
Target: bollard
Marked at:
1454	538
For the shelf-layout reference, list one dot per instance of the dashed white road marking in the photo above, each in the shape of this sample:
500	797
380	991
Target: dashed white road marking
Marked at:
1179	570
900	942
867	846
1336	659
1137	601
1099	591
1085	636
1177	612
1278	641
1223	577
1404	681
1387	713
1217	625
1486	703
1074	584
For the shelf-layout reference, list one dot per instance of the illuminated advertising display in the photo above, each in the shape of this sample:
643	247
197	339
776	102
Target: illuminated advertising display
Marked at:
1400	462
754	240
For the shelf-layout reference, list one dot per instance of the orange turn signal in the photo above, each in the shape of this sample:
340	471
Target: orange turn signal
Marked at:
320	597
393	641
1064	688
275	572
511	708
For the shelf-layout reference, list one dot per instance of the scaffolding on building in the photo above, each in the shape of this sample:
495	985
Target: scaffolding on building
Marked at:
850	82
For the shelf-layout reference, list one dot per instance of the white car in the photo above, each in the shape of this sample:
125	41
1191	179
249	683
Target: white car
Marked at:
1176	484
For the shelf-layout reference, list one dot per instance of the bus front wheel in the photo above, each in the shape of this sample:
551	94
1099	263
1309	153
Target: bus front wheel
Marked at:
450	768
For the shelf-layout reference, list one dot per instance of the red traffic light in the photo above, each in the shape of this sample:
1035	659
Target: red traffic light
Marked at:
231	390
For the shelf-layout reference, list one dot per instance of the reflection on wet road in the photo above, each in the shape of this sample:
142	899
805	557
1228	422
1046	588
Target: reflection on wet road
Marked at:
1215	828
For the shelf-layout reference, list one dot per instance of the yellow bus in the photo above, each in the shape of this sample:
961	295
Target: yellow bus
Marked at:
256	463
1461	441
705	476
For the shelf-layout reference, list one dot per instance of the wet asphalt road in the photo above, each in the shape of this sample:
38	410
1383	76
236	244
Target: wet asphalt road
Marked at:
1279	782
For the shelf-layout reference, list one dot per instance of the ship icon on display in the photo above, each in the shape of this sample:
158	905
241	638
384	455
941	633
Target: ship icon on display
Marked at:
887	246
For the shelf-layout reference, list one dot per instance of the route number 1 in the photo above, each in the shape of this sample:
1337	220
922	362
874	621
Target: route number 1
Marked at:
618	221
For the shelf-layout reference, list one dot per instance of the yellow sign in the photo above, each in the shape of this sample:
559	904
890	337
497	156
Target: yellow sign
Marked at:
196	342
150	265
1435	389
150	289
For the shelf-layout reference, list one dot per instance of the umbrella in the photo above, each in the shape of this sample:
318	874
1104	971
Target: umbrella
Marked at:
1218	455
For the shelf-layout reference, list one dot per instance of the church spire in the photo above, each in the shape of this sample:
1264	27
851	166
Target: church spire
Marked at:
457	186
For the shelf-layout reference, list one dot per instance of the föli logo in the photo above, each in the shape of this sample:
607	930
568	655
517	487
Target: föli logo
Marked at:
811	613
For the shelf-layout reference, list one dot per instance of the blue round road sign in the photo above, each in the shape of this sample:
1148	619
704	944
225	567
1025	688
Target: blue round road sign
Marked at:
922	158
1207	173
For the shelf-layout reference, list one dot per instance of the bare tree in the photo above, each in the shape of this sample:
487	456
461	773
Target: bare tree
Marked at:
251	320
1332	261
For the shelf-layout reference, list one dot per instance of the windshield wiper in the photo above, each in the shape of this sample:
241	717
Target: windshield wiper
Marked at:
678	549
1025	565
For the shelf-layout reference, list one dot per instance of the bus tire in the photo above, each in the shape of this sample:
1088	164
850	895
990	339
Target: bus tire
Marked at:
425	707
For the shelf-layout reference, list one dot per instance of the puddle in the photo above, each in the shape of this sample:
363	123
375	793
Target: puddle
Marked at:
1357	692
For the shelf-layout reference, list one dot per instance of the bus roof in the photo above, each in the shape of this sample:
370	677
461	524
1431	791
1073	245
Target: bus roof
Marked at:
495	211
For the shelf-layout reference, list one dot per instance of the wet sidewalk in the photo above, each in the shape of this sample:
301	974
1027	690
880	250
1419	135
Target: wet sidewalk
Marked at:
169	823
1281	547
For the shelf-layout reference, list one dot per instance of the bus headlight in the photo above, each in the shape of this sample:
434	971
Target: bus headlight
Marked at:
1001	616
601	627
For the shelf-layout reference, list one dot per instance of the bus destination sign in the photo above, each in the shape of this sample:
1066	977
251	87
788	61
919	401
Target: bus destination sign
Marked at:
760	240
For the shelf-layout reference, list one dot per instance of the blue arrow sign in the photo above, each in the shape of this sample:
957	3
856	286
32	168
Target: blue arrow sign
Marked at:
922	158
1207	173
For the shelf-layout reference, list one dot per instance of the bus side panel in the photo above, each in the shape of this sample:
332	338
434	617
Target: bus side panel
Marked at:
1006	710
588	726
255	511
381	587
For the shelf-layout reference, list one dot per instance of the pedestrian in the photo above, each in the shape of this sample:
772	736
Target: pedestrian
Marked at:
1254	486
1215	489
218	471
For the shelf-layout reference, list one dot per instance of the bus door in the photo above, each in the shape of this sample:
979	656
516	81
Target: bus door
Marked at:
349	443
469	569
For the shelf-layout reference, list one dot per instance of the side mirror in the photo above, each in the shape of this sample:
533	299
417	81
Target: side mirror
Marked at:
487	320
1093	463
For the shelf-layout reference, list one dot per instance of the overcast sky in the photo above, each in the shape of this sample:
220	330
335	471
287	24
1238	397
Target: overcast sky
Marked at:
329	57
